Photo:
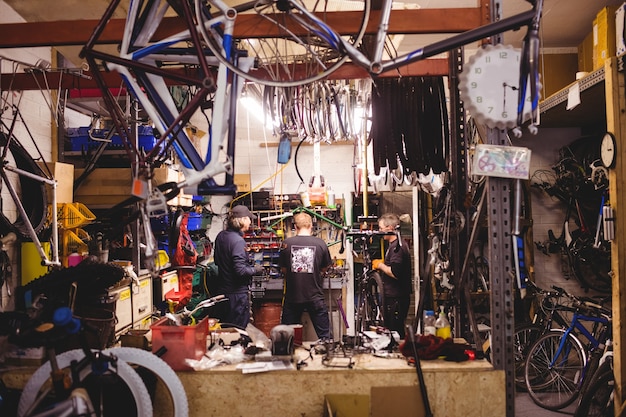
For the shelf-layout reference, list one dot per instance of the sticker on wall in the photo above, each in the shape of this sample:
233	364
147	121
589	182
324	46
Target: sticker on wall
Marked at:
502	161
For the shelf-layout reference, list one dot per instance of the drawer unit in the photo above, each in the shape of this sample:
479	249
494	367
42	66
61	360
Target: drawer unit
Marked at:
123	308
142	298
166	282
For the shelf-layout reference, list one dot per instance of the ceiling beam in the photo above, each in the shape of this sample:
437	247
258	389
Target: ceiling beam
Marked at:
83	80
77	32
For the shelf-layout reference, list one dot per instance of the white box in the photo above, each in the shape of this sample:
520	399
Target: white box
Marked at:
142	298
169	281
123	308
620	42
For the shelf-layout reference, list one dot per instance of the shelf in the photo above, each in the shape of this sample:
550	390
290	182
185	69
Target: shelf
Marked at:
590	111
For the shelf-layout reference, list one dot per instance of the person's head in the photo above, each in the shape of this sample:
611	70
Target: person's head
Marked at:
388	222
240	218
303	222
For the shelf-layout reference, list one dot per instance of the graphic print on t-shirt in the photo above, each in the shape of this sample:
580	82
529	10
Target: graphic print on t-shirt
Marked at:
302	259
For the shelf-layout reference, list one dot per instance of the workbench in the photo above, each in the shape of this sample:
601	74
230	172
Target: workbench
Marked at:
470	389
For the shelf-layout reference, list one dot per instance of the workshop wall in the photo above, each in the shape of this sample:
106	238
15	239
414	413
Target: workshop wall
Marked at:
547	212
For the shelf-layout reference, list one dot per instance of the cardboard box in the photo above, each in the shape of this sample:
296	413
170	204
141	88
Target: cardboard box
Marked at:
603	36
585	54
106	187
64	175
558	71
397	401
243	182
346	405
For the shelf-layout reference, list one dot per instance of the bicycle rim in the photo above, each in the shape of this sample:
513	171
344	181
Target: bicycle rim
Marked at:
523	340
34	388
162	370
557	386
375	299
592	266
297	50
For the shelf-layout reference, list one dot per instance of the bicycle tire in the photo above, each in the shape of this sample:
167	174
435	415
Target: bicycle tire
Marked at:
598	399
371	303
554	387
297	50
162	370
33	194
36	382
591	265
524	337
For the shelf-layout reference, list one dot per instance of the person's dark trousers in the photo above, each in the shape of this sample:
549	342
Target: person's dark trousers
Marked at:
234	311
318	311
396	310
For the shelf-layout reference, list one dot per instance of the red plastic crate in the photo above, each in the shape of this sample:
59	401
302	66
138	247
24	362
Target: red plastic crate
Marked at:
181	342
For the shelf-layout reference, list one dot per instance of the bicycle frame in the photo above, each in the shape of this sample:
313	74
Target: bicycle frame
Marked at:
576	324
46	260
376	65
139	66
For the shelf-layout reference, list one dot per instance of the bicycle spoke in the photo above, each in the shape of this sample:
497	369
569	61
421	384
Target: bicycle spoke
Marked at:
299	47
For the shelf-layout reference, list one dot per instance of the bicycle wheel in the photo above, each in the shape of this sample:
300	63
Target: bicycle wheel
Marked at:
553	377
162	370
370	311
299	46
597	401
36	387
590	264
523	338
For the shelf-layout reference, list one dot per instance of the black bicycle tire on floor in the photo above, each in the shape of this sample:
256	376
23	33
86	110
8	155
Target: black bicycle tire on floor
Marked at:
597	400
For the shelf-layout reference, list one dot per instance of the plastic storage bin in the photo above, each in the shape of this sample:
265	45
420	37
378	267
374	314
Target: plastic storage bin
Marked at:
181	342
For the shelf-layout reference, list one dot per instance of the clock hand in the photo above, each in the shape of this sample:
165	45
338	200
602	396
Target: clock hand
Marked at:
505	85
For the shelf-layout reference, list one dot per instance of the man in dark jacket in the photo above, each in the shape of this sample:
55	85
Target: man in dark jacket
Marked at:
234	268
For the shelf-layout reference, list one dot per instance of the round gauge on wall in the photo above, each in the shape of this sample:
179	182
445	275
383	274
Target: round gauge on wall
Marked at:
489	86
608	150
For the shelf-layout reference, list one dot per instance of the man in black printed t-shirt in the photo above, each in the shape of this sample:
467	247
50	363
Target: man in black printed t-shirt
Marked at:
303	260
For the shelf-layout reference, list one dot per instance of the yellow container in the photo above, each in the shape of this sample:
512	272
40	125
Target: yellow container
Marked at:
72	215
31	266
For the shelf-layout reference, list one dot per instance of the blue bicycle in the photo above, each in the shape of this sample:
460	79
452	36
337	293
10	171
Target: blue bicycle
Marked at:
558	363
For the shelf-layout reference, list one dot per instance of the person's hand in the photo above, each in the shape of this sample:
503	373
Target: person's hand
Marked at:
259	270
376	263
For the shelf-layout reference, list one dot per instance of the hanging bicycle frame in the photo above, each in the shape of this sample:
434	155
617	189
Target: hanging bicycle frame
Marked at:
140	64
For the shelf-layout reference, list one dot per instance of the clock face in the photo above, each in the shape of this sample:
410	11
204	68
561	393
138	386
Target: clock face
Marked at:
608	150
489	86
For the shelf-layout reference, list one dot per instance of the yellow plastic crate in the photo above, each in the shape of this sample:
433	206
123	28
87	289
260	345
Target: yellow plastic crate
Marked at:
75	241
73	215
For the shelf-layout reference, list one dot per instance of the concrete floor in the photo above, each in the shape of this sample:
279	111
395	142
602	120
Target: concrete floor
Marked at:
525	407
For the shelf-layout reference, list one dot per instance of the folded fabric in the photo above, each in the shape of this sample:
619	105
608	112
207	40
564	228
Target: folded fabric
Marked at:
432	347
